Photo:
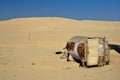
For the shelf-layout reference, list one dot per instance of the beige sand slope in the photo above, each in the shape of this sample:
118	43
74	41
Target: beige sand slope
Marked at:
27	47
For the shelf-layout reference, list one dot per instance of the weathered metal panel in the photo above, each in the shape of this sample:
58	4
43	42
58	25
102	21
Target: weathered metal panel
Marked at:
77	40
101	49
106	53
93	47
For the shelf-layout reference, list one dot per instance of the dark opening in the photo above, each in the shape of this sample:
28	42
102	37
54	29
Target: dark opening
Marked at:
115	47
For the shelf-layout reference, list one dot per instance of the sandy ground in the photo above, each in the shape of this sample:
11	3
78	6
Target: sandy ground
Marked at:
28	46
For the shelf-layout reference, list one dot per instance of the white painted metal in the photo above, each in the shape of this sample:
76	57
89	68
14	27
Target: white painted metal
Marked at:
74	53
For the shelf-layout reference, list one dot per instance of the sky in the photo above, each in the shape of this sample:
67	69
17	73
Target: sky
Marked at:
107	10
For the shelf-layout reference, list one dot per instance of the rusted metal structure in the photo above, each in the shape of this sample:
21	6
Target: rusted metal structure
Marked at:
89	50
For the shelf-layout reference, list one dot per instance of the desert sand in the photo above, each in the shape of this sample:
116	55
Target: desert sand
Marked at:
28	46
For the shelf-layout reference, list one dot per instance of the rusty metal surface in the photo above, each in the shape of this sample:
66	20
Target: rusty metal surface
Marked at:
76	50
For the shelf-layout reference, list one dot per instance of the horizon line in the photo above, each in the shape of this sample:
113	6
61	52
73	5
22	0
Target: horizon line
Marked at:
59	17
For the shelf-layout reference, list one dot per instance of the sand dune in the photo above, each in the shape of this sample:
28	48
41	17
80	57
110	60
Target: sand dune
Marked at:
27	47
17	31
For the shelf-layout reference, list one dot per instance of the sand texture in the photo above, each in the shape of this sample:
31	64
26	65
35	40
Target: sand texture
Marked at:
28	46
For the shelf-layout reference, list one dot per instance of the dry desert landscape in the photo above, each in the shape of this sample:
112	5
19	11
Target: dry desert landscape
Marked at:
28	46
